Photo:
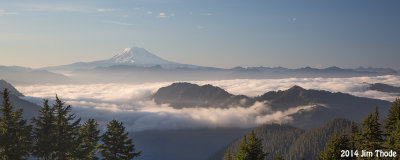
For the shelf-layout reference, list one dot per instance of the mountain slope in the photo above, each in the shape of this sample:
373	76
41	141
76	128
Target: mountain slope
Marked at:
311	142
30	109
11	89
276	138
291	142
384	88
181	95
20	75
329	105
326	105
294	96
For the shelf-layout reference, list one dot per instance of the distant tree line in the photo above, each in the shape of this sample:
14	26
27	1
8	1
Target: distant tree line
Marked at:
372	134
56	133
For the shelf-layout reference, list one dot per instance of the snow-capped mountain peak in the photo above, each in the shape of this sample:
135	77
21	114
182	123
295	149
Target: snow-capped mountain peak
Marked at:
138	56
126	50
134	56
124	57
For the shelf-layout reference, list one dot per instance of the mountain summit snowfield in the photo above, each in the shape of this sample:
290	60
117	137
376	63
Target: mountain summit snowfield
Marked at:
138	56
134	56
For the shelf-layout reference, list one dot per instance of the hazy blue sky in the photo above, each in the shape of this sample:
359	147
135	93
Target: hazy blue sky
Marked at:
226	33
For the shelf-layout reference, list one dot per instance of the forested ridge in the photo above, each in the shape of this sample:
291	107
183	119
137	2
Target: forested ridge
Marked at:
56	133
291	142
327	142
327	105
371	135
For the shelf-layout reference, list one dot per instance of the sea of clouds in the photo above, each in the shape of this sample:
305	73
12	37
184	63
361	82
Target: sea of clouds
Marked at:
132	103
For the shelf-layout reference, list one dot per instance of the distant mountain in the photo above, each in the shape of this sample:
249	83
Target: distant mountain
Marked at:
294	96
139	57
384	88
30	109
182	95
137	65
134	56
292	142
336	71
326	105
21	75
378	70
138	74
297	95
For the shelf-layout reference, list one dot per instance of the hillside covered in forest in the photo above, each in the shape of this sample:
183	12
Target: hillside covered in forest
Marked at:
326	105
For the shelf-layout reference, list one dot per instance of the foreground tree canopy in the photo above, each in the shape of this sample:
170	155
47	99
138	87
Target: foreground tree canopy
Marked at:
327	142
367	136
56	133
15	133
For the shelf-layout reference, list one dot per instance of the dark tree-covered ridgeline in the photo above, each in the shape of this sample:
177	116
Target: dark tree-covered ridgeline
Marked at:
328	141
370	135
56	133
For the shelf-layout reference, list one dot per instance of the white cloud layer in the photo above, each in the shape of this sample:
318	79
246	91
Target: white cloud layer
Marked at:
131	103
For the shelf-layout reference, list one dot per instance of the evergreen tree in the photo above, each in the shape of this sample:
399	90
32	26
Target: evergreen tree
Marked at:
392	128
116	144
66	131
251	148
393	116
15	134
371	133
353	136
393	139
256	151
228	155
278	156
242	152
88	138
43	132
334	146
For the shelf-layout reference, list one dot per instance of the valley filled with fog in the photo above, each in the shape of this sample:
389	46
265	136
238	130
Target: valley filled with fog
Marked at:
133	103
